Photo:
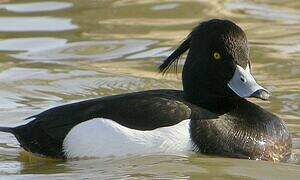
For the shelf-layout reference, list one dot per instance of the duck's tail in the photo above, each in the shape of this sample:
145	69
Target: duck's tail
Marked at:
6	129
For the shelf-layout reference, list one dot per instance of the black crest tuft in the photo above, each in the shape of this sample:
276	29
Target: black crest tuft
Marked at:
174	58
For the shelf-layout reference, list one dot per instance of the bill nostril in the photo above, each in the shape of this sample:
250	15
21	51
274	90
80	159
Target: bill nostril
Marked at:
243	80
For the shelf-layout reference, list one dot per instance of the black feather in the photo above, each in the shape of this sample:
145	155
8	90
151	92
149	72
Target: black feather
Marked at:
174	58
6	129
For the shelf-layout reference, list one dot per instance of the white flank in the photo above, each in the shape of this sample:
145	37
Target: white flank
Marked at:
103	137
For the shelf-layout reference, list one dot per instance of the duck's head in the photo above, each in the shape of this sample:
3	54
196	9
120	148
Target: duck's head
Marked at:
217	68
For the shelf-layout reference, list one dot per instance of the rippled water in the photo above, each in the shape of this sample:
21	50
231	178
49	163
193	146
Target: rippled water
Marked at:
56	52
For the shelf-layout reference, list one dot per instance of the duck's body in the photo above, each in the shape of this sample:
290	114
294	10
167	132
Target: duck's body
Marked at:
142	114
210	115
122	125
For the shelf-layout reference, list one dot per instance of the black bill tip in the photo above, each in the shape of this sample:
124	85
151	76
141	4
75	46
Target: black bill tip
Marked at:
261	94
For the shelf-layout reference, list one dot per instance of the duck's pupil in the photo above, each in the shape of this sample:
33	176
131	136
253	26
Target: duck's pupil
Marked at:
217	56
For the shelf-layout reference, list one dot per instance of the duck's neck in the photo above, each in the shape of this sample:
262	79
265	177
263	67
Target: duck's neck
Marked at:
219	105
203	89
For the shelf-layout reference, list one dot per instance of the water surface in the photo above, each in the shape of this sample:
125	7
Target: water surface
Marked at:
57	52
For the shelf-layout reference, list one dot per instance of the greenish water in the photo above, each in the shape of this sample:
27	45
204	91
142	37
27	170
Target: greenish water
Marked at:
57	52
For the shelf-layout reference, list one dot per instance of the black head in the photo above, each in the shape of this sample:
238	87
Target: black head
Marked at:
217	69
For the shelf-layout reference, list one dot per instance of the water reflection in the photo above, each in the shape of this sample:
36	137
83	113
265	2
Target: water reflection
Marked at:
31	44
50	88
156	52
36	6
161	7
49	49
264	11
23	24
10	167
286	49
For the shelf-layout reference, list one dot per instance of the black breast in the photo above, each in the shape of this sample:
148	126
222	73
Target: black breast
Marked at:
247	131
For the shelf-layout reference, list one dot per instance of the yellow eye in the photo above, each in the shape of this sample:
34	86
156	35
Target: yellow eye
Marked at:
217	56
